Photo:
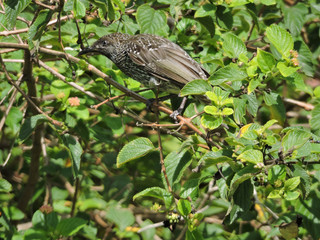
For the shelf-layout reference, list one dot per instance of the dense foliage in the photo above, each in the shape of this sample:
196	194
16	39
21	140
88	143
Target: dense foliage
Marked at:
245	166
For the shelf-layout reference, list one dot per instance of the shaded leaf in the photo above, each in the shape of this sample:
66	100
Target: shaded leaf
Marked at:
134	149
150	20
69	226
75	151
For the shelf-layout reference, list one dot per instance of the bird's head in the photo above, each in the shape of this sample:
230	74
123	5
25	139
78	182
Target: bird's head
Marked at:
107	45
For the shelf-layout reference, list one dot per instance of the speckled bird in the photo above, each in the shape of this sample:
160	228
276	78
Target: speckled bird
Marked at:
152	60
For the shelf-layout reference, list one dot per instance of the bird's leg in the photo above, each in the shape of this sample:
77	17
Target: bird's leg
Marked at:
150	101
180	109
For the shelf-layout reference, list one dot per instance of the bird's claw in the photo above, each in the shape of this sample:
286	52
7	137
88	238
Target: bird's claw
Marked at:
175	114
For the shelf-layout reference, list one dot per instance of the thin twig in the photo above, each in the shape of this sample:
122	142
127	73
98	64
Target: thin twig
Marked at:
23	30
255	195
163	167
306	106
50	7
36	139
75	195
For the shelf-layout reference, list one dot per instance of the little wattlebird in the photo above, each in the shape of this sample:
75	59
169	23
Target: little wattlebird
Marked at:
154	61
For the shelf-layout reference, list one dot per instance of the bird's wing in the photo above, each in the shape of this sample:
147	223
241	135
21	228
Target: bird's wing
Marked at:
168	62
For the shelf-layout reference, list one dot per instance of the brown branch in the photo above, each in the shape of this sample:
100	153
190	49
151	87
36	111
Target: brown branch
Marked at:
36	141
23	30
50	7
163	167
306	106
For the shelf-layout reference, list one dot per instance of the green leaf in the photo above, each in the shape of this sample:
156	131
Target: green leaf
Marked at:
251	156
280	39
184	207
156	192
253	104
150	20
93	203
285	70
254	18
276	106
305	179
60	89
52	220
290	196
305	58
211	110
193	235
266	61
315	118
227	111
120	5
233	45
195	87
267	125
206	15
270	98
121	217
69	226
274	194
252	71
12	9
205	10
111	12
241	176
13	119
212	96
277	175
38	26
294	17
268	2
211	122
190	188
224	17
29	125
208	23
13	213
38	219
34	234
5	186
81	112
239	109
296	80
241	200
294	139
214	158
292	183
176	164
75	151
228	73
79	9
134	150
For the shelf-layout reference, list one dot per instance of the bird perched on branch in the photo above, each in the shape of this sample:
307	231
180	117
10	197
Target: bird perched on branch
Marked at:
154	61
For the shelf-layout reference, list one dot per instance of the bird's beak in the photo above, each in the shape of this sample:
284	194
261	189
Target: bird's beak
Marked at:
85	51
